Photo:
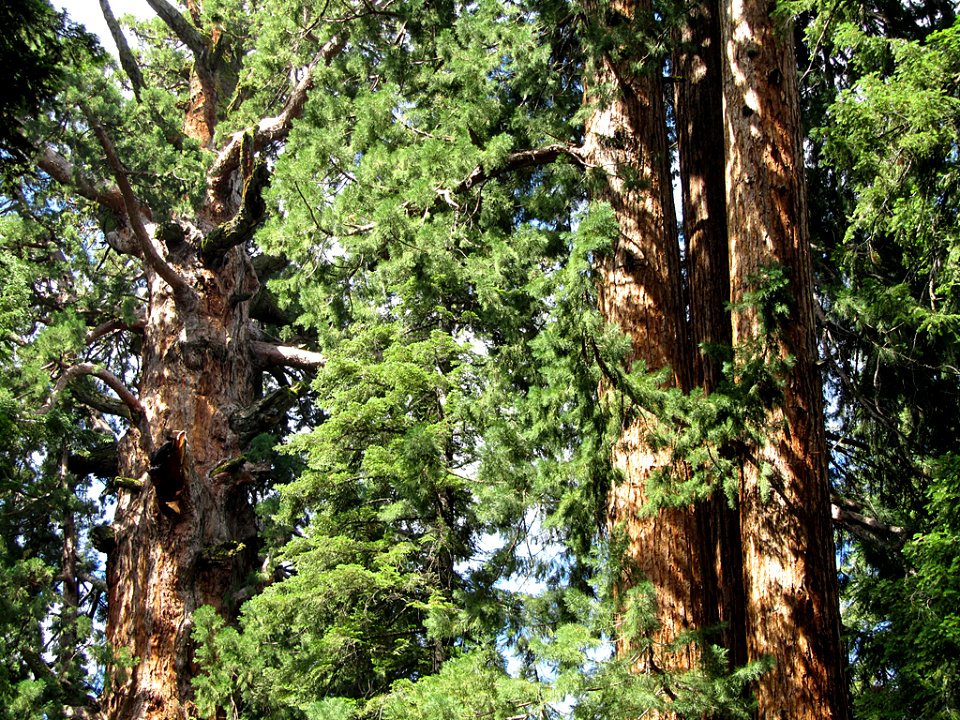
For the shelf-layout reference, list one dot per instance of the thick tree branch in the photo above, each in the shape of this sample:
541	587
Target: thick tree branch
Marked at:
268	354
63	171
181	27
848	515
275	128
87	395
180	286
137	413
249	217
517	161
114	325
127	61
101	461
266	413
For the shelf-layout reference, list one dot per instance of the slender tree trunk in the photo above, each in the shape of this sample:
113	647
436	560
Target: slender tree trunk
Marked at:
698	107
788	552
189	536
640	290
71	585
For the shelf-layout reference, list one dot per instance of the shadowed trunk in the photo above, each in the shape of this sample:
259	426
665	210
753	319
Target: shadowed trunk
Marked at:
789	567
699	111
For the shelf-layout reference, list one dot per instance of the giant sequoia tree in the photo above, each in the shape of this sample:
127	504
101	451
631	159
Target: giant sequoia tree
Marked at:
438	241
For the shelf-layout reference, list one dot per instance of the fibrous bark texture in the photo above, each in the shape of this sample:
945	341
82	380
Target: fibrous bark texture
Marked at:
197	370
640	290
789	570
698	104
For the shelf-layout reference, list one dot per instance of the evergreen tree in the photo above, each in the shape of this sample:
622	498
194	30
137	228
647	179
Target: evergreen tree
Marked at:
438	242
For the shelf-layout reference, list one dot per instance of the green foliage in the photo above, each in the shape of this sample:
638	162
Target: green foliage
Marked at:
435	531
887	164
36	46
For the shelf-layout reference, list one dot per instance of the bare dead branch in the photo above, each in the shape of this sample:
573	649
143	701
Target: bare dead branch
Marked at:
150	254
181	27
268	354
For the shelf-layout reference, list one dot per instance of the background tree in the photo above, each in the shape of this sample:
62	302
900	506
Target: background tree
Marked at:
880	95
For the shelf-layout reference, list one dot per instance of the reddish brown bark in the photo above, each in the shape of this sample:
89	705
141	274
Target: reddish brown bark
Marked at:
698	104
789	568
640	290
189	537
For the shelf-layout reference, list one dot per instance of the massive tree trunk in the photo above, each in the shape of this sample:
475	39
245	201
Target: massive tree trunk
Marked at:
189	536
698	104
641	291
185	530
788	553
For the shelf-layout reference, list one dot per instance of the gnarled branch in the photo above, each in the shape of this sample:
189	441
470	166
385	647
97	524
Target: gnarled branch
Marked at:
153	258
275	128
248	218
63	171
181	27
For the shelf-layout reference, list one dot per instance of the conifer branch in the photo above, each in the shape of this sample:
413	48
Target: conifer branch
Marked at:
268	354
153	258
275	128
174	19
64	172
517	161
127	61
